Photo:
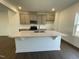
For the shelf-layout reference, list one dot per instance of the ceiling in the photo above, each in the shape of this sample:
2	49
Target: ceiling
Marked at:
42	5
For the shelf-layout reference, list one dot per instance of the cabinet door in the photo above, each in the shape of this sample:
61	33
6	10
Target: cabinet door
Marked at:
24	19
27	19
43	20
33	17
50	17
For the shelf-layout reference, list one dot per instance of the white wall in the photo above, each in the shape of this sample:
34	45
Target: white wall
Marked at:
9	20
4	22
56	23
65	20
13	22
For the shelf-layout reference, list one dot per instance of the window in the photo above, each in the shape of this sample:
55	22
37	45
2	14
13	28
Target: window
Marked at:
76	25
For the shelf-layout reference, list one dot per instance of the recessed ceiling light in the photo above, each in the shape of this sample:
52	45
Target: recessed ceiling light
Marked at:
53	9
19	7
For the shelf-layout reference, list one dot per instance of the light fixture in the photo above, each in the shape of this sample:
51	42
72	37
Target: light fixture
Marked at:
19	7
53	9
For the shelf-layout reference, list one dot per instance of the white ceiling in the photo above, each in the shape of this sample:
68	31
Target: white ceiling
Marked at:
42	5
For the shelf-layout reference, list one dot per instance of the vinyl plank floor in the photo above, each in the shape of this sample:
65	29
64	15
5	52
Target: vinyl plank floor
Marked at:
7	49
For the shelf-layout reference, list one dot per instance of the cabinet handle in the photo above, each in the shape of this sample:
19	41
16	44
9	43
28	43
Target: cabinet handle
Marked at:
2	56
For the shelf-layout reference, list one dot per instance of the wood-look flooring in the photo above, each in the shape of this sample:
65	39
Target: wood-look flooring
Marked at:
7	48
7	51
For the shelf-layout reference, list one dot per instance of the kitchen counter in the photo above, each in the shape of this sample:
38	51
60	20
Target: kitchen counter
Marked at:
35	34
29	41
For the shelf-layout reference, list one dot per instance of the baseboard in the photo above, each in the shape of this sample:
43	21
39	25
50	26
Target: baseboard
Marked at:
3	35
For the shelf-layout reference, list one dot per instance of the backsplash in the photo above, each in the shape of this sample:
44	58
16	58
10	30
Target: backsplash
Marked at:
46	26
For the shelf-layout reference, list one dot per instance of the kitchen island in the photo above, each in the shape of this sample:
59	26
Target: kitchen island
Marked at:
32	41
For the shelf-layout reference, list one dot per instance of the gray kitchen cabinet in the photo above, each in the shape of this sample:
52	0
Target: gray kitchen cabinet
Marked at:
39	17
24	19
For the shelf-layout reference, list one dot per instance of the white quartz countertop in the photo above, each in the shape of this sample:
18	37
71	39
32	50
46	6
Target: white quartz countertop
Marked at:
33	34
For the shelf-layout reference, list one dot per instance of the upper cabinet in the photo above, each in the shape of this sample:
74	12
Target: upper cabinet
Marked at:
24	18
51	16
37	17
